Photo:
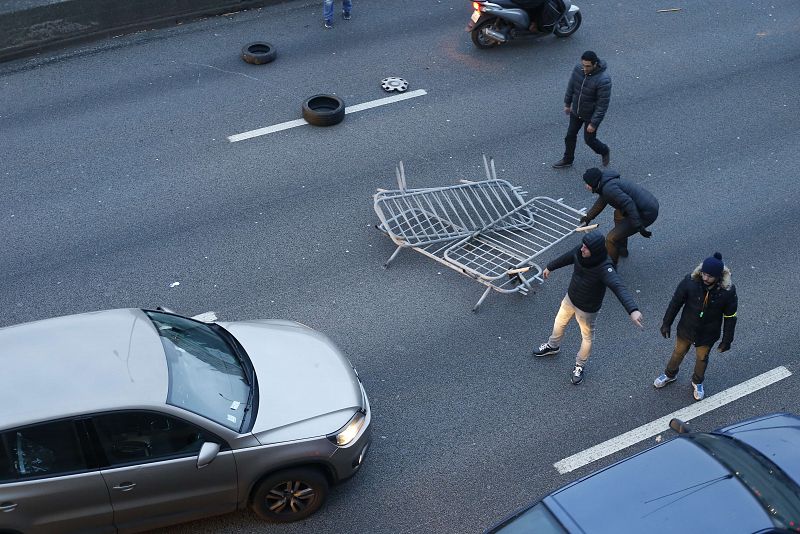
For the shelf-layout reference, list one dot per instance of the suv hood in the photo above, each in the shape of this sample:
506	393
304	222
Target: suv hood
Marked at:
306	387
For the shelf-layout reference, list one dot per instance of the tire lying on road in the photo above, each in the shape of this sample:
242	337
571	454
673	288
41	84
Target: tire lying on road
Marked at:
258	53
323	110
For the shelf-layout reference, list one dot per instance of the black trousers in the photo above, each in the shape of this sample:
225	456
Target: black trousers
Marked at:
617	238
571	139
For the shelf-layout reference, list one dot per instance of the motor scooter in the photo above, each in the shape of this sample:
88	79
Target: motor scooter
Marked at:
498	21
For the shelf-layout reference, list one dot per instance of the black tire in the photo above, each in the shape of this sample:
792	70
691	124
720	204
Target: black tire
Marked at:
290	495
258	53
323	110
479	39
564	30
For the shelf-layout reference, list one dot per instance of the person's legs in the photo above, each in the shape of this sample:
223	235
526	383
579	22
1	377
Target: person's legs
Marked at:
571	139
563	317
700	364
680	350
347	8
586	321
617	238
594	143
327	11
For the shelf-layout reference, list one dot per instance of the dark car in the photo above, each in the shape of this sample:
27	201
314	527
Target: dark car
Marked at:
741	478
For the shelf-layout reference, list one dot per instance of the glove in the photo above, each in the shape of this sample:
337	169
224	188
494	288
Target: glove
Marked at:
644	232
723	346
584	220
665	330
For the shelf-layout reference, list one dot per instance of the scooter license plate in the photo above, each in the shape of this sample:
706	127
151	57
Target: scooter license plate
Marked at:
475	16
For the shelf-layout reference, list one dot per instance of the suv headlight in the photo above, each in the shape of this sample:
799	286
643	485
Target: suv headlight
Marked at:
349	432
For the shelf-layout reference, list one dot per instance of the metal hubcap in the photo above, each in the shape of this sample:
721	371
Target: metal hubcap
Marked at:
290	497
393	83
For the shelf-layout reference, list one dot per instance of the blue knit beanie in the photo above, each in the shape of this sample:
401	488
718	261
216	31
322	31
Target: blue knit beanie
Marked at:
713	265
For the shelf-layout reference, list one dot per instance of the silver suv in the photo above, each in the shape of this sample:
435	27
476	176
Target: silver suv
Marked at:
128	420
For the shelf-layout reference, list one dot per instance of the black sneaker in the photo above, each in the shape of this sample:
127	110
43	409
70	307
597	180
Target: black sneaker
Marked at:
346	15
606	158
562	164
577	375
546	350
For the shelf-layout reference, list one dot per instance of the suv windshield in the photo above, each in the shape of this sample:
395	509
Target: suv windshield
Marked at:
776	492
206	375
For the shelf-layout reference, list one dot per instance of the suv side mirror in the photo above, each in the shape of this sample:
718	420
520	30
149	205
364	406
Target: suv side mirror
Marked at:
208	452
679	426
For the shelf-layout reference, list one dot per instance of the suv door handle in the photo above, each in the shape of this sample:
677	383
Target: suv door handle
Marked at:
125	486
8	506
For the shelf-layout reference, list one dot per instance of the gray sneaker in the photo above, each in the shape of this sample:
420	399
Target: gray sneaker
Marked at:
577	375
546	350
663	380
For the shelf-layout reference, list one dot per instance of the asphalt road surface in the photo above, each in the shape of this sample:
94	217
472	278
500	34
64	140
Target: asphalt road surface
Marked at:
119	181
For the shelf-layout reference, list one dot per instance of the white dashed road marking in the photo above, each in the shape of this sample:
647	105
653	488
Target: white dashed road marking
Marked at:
660	425
349	109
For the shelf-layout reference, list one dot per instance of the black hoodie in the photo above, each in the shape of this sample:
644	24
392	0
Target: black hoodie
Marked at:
634	201
591	276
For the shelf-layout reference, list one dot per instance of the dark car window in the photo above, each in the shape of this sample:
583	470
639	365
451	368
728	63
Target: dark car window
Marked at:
138	437
536	519
6	472
44	450
776	492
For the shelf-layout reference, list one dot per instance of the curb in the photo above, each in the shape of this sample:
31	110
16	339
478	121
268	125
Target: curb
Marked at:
56	25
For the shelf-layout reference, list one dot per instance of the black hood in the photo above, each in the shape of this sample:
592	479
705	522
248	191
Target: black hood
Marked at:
607	176
596	243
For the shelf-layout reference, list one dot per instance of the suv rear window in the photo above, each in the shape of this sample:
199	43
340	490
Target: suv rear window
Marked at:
44	450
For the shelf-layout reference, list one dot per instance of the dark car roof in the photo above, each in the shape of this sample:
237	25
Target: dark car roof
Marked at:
674	487
80	363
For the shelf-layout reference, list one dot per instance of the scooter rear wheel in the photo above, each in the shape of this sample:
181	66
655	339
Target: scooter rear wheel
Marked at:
563	29
479	38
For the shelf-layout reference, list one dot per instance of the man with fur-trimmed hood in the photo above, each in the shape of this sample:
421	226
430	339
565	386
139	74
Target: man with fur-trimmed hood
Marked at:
709	302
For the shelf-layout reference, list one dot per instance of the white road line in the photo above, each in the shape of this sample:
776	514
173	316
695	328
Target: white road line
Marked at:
660	425
350	109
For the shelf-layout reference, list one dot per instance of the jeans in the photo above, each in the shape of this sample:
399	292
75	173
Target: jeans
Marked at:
681	348
585	321
617	238
575	124
327	8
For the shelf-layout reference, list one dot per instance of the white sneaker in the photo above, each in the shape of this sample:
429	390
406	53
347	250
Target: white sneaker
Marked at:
698	391
663	380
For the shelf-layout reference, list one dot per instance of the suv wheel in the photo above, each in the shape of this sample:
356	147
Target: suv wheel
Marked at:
290	495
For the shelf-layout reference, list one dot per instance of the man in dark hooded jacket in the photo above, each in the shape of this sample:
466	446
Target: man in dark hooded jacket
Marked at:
635	208
592	274
586	102
709	302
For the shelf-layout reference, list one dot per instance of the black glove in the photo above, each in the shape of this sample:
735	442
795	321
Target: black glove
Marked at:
723	346
644	232
585	220
665	330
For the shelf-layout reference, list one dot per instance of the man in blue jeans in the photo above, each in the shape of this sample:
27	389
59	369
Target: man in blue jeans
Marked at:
327	11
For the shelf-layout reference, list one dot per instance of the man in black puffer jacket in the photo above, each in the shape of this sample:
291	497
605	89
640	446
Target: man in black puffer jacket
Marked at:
635	208
586	102
709	301
592	274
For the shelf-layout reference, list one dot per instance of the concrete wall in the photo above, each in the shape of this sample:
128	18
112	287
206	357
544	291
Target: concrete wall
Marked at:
26	29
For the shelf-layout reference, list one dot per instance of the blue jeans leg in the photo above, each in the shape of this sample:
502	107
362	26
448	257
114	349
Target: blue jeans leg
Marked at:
327	11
